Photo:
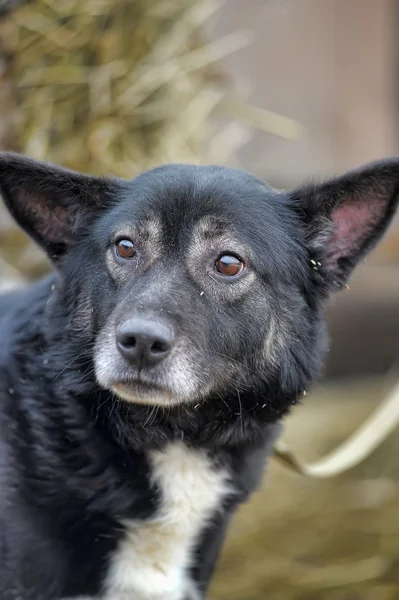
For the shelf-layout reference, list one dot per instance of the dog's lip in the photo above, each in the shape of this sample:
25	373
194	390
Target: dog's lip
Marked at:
142	392
135	384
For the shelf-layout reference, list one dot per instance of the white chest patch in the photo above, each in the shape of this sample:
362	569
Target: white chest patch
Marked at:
152	561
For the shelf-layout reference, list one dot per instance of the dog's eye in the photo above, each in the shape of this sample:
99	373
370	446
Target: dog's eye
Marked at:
125	248
229	265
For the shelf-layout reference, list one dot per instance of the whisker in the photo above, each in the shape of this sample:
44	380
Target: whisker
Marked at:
147	421
238	362
116	401
75	358
100	406
241	416
223	400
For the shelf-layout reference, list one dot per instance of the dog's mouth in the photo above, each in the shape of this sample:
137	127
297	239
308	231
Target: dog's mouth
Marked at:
143	393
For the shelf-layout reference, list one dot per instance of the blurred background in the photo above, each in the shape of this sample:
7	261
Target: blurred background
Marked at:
287	89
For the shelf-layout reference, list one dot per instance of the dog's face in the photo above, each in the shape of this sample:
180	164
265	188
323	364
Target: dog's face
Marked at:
190	283
206	273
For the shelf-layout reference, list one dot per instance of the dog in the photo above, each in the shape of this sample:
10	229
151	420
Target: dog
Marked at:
143	382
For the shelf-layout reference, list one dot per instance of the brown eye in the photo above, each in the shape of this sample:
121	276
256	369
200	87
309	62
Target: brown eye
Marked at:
229	265
125	249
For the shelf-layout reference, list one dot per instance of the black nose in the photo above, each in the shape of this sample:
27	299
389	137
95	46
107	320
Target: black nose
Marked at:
143	342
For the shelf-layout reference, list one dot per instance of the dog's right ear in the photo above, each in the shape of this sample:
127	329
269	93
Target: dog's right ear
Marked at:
50	203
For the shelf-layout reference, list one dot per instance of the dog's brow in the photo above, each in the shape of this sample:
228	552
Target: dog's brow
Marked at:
149	230
214	231
210	227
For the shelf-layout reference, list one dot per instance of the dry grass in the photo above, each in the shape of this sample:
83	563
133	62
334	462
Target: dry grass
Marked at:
118	86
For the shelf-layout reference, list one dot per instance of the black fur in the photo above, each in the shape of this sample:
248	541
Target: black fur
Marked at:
73	454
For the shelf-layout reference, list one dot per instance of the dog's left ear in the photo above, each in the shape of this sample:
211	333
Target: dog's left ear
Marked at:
345	217
50	203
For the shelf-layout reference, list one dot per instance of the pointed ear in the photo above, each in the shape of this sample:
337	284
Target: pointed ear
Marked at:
345	217
50	203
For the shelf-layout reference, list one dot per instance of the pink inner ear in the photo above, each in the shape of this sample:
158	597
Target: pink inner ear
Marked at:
353	224
50	221
57	227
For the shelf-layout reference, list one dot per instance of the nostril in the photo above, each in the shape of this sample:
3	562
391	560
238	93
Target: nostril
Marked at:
159	347
128	341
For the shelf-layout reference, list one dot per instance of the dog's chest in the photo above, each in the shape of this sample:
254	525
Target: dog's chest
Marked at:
152	561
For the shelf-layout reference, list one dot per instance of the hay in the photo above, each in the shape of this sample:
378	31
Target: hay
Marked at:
95	81
118	86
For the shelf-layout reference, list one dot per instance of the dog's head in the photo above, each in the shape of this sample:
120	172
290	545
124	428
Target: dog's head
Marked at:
193	284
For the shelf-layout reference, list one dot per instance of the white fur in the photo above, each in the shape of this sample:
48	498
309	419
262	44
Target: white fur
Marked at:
152	561
179	377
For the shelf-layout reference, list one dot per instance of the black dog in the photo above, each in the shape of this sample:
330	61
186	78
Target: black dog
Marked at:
142	384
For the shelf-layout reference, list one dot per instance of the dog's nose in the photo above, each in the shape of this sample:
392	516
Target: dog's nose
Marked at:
144	342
